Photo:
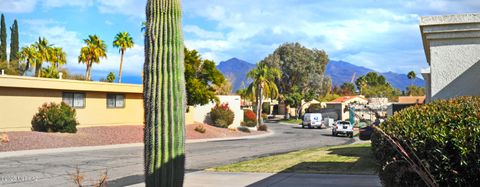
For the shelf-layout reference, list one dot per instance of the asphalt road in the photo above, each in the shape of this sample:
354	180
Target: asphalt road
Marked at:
125	165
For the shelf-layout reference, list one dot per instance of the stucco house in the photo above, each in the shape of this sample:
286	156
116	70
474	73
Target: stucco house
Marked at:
96	103
340	103
452	49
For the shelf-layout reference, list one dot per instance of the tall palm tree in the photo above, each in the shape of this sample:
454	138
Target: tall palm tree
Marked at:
263	85
411	76
43	54
29	55
92	53
123	41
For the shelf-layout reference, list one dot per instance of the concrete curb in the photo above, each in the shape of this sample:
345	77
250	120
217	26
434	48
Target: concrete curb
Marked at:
115	146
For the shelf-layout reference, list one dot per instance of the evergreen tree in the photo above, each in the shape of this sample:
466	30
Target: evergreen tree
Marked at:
3	40
14	47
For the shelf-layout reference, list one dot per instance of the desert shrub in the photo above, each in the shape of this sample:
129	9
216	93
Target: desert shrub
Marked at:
243	129
55	118
4	138
262	127
200	128
250	118
444	134
221	116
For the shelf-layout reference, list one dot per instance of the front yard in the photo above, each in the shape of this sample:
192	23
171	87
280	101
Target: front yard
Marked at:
345	159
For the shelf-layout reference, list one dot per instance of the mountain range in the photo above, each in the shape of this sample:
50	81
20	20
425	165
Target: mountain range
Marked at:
235	70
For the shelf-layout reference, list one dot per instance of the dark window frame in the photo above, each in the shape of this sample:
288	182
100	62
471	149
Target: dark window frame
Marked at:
114	95
73	99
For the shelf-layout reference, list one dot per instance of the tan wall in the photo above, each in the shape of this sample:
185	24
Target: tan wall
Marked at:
200	113
18	105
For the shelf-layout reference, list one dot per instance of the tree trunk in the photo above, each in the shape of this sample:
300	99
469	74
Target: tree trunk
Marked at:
259	106
164	95
121	63
38	69
87	72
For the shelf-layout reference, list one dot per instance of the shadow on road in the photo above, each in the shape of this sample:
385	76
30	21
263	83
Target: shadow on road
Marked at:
359	171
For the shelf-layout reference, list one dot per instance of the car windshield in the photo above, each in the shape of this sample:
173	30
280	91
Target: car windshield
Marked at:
345	123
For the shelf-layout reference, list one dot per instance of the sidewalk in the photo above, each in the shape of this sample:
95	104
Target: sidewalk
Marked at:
217	179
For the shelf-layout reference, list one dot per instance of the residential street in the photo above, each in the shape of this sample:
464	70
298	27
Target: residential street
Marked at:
125	165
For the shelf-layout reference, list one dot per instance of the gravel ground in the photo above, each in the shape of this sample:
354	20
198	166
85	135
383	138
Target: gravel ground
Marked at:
94	136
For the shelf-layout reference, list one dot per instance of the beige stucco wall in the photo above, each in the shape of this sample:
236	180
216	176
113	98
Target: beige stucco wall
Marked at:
18	105
200	113
452	45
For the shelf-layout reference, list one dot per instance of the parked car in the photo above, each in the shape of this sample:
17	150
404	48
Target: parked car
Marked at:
342	127
311	120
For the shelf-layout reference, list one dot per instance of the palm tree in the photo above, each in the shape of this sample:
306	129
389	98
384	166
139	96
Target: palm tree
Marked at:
58	57
91	53
412	76
28	55
263	85
43	49
123	41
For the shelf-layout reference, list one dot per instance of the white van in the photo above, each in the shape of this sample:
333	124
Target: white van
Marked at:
312	120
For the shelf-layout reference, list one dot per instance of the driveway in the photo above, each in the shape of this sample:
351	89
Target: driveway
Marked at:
125	165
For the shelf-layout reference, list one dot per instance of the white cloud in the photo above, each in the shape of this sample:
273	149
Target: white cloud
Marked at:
134	8
17	6
62	3
199	32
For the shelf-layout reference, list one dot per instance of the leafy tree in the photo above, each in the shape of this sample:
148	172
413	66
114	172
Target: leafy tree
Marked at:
201	76
123	41
263	86
164	98
14	46
94	50
111	77
50	72
411	76
3	40
374	85
346	89
415	91
302	72
223	89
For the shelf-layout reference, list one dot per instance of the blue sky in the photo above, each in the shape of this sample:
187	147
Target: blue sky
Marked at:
381	35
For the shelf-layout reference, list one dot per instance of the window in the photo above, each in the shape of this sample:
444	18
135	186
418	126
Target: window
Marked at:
75	100
115	101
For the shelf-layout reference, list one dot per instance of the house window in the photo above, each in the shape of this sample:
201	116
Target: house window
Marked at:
75	100
115	101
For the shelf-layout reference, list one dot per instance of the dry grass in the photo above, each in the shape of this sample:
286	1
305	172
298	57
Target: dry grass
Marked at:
78	178
200	128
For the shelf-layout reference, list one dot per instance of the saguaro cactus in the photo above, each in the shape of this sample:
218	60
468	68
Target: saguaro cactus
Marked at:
164	94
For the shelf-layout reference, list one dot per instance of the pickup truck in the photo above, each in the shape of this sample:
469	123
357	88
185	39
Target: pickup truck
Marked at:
342	127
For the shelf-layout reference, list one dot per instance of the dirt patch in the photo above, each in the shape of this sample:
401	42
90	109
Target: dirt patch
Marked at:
95	136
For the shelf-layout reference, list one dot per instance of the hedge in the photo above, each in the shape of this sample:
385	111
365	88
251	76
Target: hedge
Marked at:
445	135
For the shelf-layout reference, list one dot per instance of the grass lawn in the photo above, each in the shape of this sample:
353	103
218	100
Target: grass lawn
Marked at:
292	121
345	159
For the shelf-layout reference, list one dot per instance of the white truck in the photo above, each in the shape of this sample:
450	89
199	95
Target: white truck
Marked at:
311	120
342	127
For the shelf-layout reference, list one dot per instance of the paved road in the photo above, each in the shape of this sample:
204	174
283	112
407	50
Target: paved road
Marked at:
125	165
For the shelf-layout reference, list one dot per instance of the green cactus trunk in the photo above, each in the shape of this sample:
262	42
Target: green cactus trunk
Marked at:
164	95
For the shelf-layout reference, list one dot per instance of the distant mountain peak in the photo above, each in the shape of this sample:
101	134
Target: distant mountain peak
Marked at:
236	69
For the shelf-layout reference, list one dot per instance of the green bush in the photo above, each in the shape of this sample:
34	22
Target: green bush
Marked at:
55	118
249	118
266	108
221	116
444	134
